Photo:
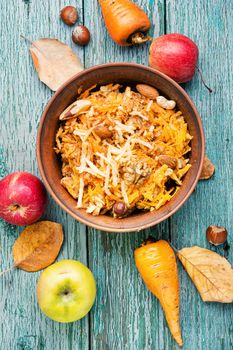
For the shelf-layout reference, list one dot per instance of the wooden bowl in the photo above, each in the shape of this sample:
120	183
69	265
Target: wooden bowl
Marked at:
127	74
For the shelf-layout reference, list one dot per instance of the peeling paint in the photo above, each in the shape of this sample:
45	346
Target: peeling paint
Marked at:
10	230
21	312
3	168
27	3
31	342
4	226
25	343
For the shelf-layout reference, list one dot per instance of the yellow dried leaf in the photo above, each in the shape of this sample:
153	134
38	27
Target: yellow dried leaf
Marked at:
211	273
54	61
38	246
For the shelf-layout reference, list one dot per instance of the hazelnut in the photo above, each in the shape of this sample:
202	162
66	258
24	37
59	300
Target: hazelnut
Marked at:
69	15
81	35
119	209
216	235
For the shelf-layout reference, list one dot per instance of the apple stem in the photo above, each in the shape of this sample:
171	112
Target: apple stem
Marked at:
203	81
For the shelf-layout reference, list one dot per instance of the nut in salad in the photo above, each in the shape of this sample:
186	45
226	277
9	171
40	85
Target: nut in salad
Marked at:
116	148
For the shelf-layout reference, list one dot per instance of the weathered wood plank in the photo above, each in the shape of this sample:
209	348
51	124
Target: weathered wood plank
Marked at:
209	24
125	315
117	323
23	98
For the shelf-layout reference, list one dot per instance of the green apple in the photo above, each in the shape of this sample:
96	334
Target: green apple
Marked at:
66	291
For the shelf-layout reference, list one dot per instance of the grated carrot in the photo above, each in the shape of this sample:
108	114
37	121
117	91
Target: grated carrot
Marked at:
125	167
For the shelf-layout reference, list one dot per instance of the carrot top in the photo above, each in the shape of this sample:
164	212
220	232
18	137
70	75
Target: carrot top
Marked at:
126	22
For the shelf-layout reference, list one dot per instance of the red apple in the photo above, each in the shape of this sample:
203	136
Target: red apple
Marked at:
174	55
23	198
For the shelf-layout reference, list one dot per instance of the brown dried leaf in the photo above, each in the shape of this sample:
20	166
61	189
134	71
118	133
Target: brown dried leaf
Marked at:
211	273
54	61
207	169
38	246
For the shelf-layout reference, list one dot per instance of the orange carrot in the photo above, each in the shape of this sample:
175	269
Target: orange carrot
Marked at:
126	22
156	263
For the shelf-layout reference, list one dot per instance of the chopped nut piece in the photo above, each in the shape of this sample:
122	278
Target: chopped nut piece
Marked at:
181	163
168	160
136	173
168	172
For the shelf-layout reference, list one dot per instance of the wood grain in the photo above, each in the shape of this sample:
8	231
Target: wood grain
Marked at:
23	98
125	313
207	325
126	316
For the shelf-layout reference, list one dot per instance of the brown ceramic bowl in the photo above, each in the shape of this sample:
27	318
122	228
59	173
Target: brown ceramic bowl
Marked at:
127	74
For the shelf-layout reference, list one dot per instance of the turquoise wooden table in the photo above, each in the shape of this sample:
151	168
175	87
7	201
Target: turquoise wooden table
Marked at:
125	316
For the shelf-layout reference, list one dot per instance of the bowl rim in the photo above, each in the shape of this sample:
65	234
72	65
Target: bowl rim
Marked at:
41	167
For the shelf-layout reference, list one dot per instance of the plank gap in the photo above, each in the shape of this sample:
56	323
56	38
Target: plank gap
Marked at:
86	227
169	229
165	32
88	264
89	331
165	19
83	20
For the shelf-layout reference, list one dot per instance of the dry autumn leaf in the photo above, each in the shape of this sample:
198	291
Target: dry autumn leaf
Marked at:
54	61
38	246
211	273
207	169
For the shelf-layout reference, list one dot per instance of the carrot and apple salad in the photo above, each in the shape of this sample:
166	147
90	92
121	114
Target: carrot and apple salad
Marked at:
120	149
